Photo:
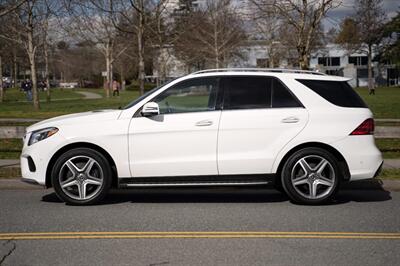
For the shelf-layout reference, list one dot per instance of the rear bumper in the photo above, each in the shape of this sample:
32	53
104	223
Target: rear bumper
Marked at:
362	156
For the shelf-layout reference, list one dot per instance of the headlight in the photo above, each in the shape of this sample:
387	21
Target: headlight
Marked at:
42	134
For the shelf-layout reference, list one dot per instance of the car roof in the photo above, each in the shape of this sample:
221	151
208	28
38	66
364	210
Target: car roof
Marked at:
282	73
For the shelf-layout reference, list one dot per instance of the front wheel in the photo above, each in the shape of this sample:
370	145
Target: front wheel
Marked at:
81	176
310	176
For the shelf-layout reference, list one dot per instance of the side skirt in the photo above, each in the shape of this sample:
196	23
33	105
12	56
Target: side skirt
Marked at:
192	181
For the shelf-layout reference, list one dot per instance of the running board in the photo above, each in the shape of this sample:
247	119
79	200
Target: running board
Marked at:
195	181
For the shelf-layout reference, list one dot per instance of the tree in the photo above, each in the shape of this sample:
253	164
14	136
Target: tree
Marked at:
23	29
391	51
212	35
302	18
363	32
10	6
130	17
91	22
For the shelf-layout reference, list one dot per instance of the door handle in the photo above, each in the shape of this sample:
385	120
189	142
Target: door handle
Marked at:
204	123
291	119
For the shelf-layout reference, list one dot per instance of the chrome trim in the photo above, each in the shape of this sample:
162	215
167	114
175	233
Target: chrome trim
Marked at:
195	184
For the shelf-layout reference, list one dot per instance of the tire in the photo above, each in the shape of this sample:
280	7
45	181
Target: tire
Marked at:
311	176
81	176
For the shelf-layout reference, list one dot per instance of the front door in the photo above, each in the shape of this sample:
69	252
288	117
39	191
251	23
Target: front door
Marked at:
182	140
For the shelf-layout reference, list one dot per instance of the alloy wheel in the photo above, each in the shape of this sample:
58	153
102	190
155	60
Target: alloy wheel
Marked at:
313	177
81	177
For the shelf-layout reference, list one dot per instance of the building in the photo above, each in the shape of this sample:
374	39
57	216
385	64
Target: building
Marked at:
332	60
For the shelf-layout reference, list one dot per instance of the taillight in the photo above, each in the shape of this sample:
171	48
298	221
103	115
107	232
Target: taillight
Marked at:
366	128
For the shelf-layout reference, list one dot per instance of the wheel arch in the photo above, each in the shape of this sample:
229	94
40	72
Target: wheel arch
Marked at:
81	145
341	160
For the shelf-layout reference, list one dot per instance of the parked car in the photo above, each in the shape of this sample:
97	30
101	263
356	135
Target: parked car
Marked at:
304	132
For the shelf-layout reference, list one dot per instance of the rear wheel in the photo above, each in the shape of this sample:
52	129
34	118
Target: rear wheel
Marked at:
310	176
81	176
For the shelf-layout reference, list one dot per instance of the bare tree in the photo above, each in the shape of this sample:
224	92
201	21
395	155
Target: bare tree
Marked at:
130	17
10	6
303	18
370	19
213	34
90	21
28	18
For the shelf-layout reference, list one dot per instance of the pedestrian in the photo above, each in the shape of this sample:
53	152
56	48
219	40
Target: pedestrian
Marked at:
27	88
115	87
372	89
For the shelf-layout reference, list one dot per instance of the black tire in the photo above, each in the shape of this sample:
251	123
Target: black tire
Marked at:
303	193
102	167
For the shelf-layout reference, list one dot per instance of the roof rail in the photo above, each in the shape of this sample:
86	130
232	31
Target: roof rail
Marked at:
273	70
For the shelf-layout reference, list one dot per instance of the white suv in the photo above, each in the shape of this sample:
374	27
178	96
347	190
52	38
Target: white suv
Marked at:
302	131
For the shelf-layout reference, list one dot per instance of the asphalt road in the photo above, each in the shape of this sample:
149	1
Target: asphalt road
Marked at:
222	226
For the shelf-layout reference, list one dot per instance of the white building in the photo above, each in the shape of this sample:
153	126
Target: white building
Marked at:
332	60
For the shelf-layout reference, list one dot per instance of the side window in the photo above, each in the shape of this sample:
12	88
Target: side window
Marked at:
247	92
336	92
281	96
195	95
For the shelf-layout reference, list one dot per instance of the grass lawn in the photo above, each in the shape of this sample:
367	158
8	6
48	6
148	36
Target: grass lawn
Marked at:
47	110
10	148
15	95
390	174
385	103
389	147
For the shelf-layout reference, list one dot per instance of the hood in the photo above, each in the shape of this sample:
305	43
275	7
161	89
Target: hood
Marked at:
100	115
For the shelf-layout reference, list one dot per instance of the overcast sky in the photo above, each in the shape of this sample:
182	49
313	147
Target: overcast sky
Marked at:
347	9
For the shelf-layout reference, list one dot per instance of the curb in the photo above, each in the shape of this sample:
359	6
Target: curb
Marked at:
371	184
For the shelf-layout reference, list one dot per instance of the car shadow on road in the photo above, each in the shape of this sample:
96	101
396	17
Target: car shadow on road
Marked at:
367	191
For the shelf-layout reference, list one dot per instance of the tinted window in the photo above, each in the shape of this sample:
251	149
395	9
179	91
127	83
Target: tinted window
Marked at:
281	97
193	95
247	92
337	92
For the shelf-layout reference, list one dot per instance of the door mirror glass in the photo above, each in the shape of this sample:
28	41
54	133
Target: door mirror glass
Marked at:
150	109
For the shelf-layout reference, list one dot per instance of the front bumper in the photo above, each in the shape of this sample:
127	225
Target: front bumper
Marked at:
35	158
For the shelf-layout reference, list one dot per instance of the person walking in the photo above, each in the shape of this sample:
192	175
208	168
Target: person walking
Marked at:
115	87
27	88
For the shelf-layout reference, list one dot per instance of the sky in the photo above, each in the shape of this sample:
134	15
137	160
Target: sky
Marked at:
391	7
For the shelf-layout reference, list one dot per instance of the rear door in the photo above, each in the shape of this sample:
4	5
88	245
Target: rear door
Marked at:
260	116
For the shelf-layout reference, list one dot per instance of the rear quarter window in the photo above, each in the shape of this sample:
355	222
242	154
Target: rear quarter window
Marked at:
339	93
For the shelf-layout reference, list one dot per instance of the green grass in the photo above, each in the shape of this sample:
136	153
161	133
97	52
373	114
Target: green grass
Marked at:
15	95
390	174
385	103
389	147
47	110
10	148
10	172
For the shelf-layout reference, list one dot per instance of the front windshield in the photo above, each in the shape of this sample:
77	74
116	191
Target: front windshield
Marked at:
145	95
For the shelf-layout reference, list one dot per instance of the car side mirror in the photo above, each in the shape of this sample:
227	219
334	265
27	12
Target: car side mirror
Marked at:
150	109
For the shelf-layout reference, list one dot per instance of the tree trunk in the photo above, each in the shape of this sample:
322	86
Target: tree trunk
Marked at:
122	78
140	36
31	54
15	76
108	75
371	87
303	60
1	82
46	61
